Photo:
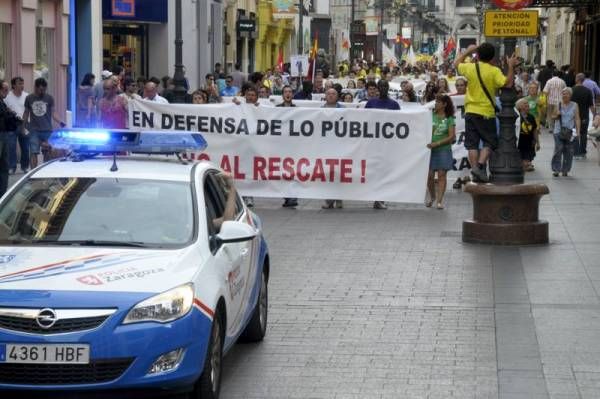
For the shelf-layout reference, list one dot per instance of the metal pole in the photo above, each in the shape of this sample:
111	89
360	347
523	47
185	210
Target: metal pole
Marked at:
505	162
300	28
179	92
351	33
381	36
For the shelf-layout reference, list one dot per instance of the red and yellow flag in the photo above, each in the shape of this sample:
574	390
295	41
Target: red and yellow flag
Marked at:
312	58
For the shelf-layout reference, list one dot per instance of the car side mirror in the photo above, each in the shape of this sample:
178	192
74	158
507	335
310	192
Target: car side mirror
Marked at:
232	232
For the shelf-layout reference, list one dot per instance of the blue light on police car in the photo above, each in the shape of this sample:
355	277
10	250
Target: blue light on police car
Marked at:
122	140
87	137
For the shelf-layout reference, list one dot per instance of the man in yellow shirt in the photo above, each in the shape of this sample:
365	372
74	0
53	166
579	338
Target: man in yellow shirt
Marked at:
480	112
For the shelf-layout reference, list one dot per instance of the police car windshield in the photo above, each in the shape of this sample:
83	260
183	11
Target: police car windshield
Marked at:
97	212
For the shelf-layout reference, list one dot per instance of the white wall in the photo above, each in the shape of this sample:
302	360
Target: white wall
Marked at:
190	42
158	57
322	7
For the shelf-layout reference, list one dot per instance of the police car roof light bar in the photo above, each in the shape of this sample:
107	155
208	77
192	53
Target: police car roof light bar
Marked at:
94	141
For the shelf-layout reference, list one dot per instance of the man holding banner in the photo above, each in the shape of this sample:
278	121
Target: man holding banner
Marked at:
480	119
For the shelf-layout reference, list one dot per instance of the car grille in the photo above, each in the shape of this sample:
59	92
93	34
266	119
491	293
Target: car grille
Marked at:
63	374
28	325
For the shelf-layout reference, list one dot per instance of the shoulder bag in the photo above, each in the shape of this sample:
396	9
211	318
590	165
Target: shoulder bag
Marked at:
485	90
565	133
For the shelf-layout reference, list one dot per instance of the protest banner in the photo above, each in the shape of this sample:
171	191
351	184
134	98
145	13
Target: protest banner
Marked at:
306	152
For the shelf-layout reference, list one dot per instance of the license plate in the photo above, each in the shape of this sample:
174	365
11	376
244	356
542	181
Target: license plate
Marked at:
45	354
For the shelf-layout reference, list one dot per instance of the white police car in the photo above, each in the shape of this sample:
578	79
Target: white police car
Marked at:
123	272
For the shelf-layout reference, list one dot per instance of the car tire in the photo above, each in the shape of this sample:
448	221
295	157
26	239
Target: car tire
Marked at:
208	385
257	327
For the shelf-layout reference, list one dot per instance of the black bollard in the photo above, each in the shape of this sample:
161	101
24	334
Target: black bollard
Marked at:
505	162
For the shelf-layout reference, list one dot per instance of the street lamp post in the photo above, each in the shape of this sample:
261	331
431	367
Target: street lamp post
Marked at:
179	92
506	212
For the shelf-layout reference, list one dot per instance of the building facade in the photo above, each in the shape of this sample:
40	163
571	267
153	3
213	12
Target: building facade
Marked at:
558	44
140	36
34	42
240	35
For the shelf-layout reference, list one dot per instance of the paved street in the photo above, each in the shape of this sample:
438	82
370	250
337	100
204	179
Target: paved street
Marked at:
391	304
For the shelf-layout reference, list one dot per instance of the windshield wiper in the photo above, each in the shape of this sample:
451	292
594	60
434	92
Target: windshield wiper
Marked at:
94	243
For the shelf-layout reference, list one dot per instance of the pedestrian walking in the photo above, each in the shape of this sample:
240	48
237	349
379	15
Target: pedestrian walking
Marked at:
461	87
553	89
151	93
131	90
480	108
546	73
8	122
86	101
38	116
566	129
229	90
99	86
442	86
212	89
536	102
239	77
200	97
441	161
331	101
306	92
585	103
528	135
429	93
593	86
288	96
383	101
16	102
371	90
251	97
112	108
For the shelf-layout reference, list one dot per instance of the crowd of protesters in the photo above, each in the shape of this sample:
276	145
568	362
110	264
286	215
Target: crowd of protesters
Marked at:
550	99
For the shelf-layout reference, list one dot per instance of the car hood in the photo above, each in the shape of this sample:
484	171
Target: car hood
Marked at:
96	269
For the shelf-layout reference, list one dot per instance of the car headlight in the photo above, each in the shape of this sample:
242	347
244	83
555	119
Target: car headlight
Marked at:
163	308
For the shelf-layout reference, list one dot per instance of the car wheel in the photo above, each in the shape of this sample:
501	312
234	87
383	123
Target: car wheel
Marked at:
209	383
257	327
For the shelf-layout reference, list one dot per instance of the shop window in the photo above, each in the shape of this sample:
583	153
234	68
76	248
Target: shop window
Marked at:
5	48
44	54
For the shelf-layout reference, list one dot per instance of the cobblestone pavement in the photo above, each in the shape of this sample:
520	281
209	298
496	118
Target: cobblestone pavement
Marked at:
391	304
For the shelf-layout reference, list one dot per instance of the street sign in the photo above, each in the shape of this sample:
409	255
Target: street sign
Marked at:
511	23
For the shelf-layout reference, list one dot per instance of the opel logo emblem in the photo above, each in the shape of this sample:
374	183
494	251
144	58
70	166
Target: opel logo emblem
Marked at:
46	318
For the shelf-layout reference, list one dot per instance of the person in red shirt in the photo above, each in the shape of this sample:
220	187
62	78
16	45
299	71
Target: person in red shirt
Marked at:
113	108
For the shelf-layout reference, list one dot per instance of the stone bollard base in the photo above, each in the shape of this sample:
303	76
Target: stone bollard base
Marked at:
506	215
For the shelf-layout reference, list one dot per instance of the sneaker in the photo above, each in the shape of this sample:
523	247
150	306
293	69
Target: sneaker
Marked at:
249	202
329	204
555	174
565	174
457	184
379	205
290	203
479	175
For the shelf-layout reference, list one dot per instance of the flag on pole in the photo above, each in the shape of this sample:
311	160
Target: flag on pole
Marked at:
439	52
312	59
280	60
411	58
450	50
